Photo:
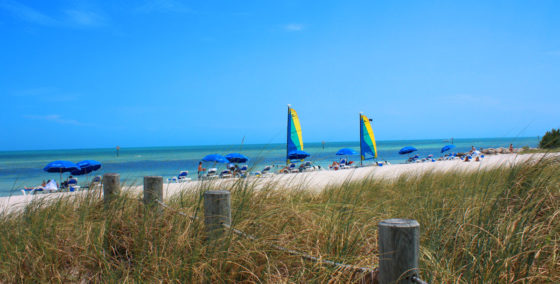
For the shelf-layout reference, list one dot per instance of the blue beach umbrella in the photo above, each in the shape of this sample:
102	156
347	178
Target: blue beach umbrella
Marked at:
447	147
407	150
61	167
298	155
86	167
346	152
215	158
237	158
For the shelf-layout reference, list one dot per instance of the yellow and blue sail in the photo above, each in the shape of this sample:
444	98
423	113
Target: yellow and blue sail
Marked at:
368	148
295	142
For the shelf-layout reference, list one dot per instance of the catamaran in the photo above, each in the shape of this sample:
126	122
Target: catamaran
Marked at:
294	144
368	148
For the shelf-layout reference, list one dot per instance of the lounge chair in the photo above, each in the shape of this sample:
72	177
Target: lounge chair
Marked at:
95	182
243	171
342	164
50	187
34	190
308	167
183	176
73	184
264	173
212	173
293	168
226	174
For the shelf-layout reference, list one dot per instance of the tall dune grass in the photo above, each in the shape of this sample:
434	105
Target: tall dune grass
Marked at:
495	226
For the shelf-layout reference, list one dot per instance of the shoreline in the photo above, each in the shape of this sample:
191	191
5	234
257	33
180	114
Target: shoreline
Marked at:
314	181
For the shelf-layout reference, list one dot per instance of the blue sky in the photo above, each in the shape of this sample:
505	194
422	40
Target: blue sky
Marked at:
81	74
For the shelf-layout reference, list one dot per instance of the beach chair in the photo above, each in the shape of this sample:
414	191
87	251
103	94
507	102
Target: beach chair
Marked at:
211	173
95	182
226	174
73	184
243	171
293	168
308	167
183	176
266	172
50	187
27	191
336	167
342	164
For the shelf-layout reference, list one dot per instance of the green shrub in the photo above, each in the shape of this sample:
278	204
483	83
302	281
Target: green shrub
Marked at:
551	139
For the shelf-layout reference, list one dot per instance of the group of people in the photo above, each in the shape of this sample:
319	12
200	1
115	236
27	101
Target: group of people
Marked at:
65	183
341	164
235	170
50	185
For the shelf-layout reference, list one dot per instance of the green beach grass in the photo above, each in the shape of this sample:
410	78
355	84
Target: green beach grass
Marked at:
495	226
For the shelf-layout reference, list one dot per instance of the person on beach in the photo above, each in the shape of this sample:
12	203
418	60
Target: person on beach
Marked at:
51	185
511	148
236	170
284	170
200	169
334	165
41	187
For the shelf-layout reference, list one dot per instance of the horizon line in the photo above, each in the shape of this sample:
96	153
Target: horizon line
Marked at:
205	145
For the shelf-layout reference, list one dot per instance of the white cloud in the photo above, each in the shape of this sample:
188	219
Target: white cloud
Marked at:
69	18
85	18
56	118
47	94
471	100
293	27
150	6
26	13
33	92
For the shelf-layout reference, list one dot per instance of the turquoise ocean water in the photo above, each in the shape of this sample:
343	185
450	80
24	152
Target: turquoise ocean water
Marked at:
25	168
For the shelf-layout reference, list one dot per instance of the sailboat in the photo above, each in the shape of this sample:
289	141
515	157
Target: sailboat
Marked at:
368	148
294	144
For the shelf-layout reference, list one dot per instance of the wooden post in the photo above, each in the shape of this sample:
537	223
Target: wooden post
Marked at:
111	186
153	189
217	211
399	246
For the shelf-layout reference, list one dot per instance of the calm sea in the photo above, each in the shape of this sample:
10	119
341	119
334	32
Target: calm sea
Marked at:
25	168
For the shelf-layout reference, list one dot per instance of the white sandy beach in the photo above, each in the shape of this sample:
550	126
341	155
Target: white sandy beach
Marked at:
315	181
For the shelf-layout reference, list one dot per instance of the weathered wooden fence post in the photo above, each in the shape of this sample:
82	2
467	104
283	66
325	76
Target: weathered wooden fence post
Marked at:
153	189
111	186
217	211
399	247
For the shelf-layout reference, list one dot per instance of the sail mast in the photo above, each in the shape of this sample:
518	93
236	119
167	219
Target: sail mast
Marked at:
361	137
288	135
